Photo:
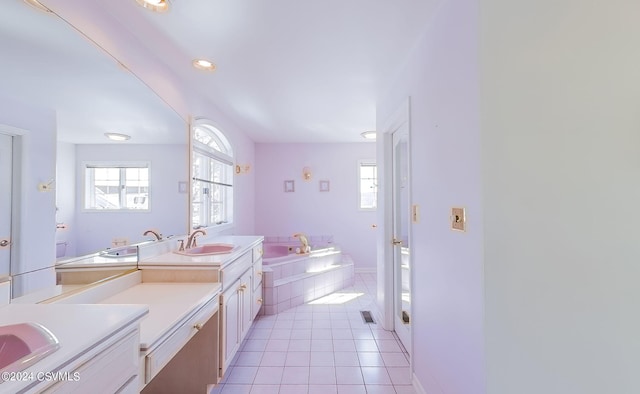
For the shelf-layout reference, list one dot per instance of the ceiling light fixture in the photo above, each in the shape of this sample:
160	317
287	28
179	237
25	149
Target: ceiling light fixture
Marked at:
369	135
155	5
117	136
37	5
202	64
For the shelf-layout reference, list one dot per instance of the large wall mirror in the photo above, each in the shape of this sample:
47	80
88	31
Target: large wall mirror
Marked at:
108	192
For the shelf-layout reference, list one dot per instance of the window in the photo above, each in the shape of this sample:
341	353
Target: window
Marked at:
212	176
116	186
367	184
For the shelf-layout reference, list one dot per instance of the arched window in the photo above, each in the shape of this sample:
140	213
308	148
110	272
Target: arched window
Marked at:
212	176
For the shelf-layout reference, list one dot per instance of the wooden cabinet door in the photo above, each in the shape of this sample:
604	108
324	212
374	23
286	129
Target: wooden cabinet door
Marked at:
231	304
246	303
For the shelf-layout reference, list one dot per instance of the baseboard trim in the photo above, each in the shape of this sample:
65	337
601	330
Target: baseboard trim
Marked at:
368	270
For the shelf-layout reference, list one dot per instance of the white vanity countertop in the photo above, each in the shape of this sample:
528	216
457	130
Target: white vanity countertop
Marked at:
242	243
77	327
169	305
96	261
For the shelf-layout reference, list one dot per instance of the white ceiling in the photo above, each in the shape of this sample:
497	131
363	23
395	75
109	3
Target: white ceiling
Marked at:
288	70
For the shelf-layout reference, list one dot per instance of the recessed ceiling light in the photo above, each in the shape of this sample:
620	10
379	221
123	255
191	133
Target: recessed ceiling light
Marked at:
155	5
369	135
38	5
117	136
203	64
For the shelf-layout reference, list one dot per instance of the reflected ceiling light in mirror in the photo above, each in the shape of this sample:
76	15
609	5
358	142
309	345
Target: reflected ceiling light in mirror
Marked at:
369	135
117	136
203	64
38	5
155	5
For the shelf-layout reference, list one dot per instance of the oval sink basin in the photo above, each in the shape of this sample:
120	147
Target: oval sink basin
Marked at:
208	249
22	345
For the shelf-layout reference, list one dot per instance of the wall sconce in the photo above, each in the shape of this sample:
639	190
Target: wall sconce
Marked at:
306	173
243	168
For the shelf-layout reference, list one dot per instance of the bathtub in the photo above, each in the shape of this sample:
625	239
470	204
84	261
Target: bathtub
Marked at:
291	279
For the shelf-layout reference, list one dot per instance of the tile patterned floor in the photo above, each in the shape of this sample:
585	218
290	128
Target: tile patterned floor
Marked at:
321	347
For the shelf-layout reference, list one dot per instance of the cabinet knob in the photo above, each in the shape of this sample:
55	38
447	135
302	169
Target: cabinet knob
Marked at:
197	326
259	272
259	300
243	286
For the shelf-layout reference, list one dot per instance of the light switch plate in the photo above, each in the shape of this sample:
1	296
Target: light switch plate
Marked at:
458	220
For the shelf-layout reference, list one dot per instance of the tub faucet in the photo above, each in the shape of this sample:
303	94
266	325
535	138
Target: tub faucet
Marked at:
191	242
154	233
304	241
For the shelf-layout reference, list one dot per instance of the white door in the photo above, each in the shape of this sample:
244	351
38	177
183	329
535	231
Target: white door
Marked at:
401	217
6	159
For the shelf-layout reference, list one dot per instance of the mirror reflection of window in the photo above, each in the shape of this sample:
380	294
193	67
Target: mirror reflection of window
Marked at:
212	177
367	185
116	186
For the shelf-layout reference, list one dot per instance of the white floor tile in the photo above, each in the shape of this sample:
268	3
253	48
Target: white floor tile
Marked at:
322	375
352	389
323	389
295	375
236	389
300	333
371	359
265	389
322	359
294	389
395	360
242	375
299	345
346	359
298	359
273	359
248	359
349	375
269	375
320	349
376	375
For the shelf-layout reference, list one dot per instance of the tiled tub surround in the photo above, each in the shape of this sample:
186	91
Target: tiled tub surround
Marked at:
291	279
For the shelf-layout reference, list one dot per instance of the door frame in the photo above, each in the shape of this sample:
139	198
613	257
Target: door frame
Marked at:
385	267
17	186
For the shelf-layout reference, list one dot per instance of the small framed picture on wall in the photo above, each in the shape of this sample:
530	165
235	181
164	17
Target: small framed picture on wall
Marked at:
289	186
324	185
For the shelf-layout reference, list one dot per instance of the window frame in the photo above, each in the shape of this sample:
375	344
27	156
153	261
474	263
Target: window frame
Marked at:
222	155
367	163
122	166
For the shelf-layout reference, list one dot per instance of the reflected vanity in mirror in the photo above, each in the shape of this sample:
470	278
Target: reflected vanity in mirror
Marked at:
108	192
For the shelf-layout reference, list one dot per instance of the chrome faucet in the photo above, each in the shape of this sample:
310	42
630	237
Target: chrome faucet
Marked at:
191	242
154	233
304	242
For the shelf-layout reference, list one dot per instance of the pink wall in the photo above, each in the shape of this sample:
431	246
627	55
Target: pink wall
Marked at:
441	77
307	209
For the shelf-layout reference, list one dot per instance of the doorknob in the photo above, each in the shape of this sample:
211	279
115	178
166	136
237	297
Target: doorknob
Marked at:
4	243
396	241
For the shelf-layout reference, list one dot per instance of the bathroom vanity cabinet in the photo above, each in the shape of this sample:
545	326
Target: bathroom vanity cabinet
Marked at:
240	301
98	348
240	275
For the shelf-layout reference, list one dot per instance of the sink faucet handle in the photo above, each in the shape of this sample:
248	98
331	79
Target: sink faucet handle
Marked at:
181	248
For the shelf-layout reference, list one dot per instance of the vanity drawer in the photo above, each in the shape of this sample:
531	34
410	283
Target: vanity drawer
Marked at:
163	353
257	275
108	371
257	252
235	269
